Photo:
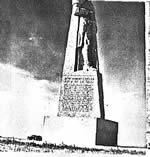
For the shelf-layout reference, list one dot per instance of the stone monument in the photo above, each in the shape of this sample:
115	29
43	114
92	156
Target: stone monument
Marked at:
81	93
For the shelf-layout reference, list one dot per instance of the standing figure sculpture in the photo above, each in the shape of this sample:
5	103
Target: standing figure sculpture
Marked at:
86	48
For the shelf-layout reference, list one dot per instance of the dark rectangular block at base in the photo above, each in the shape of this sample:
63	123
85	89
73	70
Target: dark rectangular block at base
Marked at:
106	132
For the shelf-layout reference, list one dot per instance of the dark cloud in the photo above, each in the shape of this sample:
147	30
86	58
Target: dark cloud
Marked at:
34	34
121	32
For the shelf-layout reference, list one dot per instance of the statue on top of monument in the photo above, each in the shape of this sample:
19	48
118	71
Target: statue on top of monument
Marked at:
86	48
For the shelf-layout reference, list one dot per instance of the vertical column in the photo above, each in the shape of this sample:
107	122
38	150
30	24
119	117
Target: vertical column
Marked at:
72	40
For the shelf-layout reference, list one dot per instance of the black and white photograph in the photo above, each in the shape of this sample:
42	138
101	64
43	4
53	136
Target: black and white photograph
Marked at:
74	78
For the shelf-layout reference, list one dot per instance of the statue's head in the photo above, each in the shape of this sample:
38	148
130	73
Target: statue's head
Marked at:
78	1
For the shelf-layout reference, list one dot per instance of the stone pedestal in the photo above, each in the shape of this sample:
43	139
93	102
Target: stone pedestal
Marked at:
106	132
79	95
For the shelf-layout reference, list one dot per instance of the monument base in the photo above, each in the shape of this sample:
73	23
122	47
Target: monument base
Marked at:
81	94
106	132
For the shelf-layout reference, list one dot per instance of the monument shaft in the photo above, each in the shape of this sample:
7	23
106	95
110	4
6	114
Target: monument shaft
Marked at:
81	93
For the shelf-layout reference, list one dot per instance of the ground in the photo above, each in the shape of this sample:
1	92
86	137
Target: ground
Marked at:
23	147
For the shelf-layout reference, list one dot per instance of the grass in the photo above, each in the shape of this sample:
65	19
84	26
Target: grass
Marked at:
19	145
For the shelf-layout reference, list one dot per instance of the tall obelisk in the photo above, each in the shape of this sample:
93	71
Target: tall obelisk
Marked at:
81	93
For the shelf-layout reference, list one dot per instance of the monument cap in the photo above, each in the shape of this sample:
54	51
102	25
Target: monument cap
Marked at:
75	1
78	1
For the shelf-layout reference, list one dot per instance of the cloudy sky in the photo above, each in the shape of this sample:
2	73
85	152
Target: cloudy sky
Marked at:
34	35
33	38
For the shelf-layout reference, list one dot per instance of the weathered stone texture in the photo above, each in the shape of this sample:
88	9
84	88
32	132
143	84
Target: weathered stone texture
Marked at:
79	95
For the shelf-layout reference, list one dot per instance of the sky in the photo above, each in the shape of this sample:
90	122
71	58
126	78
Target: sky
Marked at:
32	50
34	36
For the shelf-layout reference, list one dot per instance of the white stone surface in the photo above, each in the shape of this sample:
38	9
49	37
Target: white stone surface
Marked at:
73	89
71	44
78	131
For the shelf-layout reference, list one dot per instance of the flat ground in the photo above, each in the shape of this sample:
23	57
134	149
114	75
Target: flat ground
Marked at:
16	147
